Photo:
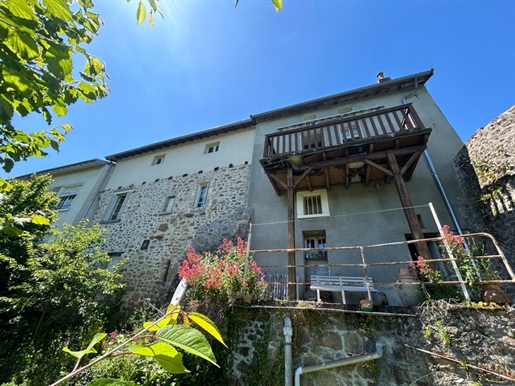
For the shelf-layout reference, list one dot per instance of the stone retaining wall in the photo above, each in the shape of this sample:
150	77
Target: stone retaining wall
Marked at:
483	338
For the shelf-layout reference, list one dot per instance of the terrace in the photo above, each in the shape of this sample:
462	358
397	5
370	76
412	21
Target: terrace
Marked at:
385	144
346	149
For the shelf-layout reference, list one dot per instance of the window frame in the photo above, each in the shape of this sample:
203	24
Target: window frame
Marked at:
302	195
67	195
213	145
116	208
170	198
158	159
200	198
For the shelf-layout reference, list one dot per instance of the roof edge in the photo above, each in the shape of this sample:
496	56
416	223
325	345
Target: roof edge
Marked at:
182	139
420	78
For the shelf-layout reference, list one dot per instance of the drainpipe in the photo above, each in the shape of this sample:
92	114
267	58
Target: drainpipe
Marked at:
342	362
288	368
100	186
435	174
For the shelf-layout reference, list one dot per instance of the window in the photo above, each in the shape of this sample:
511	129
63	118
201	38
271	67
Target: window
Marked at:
114	214
115	259
315	240
200	202
158	159
212	147
169	203
312	204
145	244
66	197
351	130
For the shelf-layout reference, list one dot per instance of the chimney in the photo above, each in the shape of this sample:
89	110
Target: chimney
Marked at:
381	78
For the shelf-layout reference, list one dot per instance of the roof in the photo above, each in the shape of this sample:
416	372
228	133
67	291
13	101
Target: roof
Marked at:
181	140
375	89
83	165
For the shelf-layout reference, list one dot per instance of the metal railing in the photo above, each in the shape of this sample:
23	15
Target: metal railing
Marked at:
342	131
503	271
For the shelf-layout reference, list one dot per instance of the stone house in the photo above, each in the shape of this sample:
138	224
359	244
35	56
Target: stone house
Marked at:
355	168
351	169
163	197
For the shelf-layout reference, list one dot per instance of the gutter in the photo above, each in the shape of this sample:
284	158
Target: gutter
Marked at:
342	362
100	186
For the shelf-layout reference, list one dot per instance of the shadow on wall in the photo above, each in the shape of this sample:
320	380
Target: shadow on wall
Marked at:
489	189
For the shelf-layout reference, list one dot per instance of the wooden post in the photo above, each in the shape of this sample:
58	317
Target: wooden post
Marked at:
292	293
409	211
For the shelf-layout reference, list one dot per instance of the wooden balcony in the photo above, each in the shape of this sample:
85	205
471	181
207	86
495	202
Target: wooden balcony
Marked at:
345	150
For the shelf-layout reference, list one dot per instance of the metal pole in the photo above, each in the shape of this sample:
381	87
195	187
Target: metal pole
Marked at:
449	252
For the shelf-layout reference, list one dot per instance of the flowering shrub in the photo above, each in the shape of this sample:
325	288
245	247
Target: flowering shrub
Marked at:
224	274
424	270
471	270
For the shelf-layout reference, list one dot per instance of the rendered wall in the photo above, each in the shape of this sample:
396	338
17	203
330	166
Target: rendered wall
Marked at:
361	214
89	179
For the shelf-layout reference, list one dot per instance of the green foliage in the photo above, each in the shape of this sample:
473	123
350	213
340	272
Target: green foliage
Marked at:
442	334
70	270
26	212
49	289
39	43
141	12
160	346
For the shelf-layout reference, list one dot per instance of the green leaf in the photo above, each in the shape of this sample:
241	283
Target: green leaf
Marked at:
24	45
167	356
153	4
207	325
88	350
159	325
278	4
188	339
39	220
21	9
141	13
110	382
59	9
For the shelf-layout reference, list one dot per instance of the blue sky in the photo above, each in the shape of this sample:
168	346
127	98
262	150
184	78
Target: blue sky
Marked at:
207	64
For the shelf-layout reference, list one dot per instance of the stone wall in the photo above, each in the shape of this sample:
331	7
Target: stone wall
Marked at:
150	272
482	338
486	171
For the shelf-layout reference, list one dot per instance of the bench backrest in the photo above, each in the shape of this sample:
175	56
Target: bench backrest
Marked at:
339	280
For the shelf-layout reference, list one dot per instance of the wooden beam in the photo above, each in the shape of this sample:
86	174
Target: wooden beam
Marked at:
274	185
304	175
407	204
384	170
278	180
291	236
413	158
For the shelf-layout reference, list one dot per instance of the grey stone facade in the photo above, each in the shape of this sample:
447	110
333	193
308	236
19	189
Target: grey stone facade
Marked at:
150	271
486	171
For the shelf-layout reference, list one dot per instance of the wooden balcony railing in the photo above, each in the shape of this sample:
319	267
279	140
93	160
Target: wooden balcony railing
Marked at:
343	131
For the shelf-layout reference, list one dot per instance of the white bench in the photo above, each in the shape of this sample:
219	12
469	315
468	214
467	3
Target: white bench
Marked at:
342	284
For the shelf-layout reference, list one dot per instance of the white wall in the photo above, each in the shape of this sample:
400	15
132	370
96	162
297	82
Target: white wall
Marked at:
89	180
234	148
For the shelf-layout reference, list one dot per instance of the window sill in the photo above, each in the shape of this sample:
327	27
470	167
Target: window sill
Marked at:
301	216
109	221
